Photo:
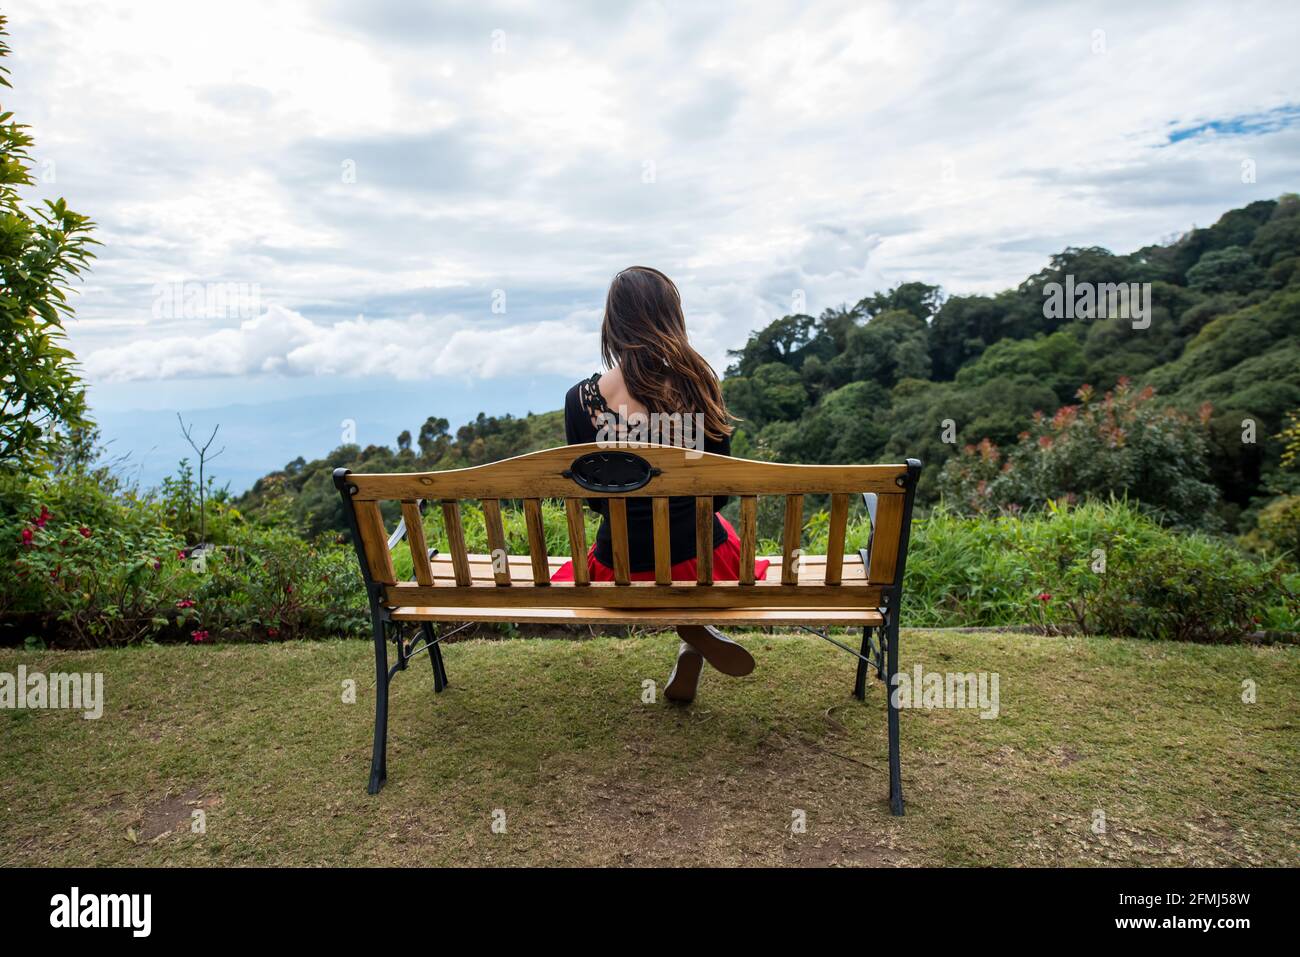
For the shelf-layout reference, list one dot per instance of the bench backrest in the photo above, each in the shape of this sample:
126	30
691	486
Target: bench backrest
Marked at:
578	472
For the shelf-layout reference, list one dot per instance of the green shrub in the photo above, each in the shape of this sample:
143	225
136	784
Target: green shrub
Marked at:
1277	530
87	559
270	585
1101	568
102	586
91	562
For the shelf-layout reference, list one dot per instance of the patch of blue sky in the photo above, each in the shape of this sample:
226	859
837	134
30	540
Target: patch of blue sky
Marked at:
1247	124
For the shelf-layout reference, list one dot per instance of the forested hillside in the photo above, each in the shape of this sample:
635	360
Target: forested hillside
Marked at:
1185	412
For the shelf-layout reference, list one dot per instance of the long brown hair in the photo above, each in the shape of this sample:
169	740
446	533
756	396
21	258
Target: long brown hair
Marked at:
644	333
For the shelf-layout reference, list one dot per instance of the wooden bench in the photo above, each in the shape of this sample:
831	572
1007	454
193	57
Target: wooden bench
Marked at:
861	590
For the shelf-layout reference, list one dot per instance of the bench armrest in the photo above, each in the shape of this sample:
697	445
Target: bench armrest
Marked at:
869	499
399	533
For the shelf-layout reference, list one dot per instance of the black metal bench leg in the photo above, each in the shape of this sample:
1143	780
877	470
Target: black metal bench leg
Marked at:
435	656
379	758
860	685
890	634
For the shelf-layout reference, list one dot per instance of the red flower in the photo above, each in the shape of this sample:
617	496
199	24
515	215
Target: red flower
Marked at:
199	635
27	537
273	632
180	556
85	532
43	518
288	589
185	603
1044	596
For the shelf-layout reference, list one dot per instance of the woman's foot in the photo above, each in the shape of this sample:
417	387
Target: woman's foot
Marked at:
718	650
686	675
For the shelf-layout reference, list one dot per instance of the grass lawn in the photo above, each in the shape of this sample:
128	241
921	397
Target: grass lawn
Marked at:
554	734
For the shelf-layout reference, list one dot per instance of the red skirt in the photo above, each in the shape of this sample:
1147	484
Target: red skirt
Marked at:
726	564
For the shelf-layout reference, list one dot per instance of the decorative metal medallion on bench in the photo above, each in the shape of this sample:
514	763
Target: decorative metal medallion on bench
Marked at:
807	591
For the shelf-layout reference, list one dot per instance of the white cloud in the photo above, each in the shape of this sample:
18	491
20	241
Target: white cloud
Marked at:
835	149
283	342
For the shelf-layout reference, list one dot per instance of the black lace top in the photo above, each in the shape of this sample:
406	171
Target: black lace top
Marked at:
581	403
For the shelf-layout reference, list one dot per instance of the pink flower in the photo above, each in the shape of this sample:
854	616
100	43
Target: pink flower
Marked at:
185	603
180	556
199	635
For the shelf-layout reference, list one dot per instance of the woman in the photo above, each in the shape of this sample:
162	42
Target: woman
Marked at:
653	369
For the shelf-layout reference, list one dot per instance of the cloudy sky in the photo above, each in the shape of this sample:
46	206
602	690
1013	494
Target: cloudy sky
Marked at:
415	208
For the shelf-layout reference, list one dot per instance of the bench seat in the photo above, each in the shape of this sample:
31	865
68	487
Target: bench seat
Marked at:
812	571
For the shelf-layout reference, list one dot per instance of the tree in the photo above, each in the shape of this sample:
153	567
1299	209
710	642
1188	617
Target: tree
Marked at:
204	459
780	341
42	249
918	298
1230	269
433	438
774	391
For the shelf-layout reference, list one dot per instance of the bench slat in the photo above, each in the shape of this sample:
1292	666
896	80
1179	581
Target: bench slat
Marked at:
884	539
456	541
835	538
663	544
496	536
618	538
748	537
415	541
704	540
537	541
790	539
577	540
374	541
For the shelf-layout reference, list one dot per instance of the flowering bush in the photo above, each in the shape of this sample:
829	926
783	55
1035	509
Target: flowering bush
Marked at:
87	562
102	587
1123	444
